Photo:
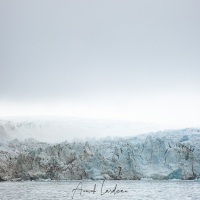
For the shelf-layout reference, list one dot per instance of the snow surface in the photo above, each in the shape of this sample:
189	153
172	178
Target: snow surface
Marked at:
60	129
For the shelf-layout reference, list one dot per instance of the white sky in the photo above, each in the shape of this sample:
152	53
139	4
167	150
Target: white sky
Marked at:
134	60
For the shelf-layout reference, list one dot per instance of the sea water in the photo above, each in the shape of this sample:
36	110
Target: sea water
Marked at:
100	190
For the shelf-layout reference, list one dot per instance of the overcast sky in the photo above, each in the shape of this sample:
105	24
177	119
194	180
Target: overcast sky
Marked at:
135	60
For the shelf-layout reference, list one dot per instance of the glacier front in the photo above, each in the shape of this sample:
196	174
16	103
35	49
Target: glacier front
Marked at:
173	154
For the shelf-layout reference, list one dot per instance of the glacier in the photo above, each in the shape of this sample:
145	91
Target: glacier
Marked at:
171	154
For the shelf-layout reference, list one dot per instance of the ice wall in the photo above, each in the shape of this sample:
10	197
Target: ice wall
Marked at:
162	155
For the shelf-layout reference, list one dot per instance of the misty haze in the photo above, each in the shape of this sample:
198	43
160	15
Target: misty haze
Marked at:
99	99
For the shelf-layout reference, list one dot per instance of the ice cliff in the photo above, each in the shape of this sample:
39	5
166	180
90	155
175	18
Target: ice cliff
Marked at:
161	155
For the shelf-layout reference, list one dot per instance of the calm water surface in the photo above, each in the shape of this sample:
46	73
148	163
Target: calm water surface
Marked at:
145	189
